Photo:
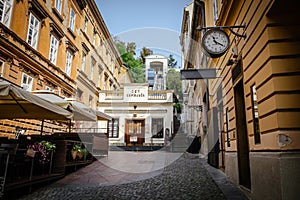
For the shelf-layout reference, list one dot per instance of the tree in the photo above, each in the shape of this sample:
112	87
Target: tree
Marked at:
144	53
172	62
173	82
135	66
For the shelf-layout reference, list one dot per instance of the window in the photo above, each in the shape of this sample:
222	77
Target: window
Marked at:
53	49
58	5
26	83
113	128
69	60
72	20
86	21
83	62
48	88
1	68
99	75
93	63
255	115
157	127
79	94
94	37
227	127
33	31
216	8
5	11
91	101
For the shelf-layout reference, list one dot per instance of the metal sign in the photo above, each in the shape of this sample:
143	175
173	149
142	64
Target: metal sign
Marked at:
198	74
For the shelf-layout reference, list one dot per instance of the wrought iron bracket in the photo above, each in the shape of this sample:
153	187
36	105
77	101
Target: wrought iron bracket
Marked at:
225	27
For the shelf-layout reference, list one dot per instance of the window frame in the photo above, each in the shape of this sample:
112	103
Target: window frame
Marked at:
1	67
72	19
158	121
83	61
7	3
58	5
53	56
113	125
29	84
255	117
35	28
86	22
69	61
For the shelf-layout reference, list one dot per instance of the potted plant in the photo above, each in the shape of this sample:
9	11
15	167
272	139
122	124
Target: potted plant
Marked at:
82	152
76	148
41	150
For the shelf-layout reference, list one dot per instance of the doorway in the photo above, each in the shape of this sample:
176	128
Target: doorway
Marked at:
135	132
242	136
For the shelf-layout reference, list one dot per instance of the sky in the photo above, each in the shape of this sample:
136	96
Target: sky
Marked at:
155	24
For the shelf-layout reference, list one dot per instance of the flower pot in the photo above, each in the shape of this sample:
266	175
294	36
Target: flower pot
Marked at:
80	155
74	154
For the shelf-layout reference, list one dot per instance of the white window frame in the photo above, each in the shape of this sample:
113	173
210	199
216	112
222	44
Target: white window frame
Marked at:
216	10
1	68
6	11
113	128
94	37
53	49
83	59
69	59
86	21
26	82
33	31
58	5
72	19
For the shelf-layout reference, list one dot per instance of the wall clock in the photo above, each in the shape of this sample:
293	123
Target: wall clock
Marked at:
215	42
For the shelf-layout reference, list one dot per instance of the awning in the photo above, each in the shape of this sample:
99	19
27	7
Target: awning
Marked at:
99	115
81	111
16	103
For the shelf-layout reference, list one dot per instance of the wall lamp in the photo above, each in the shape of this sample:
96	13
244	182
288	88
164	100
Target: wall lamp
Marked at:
19	131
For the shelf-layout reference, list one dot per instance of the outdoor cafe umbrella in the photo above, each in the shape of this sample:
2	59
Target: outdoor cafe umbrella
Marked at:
79	110
16	103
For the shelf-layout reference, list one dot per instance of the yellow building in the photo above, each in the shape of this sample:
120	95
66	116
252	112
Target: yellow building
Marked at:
100	61
252	104
58	45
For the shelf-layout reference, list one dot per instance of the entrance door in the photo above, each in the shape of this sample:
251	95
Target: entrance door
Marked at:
135	132
242	136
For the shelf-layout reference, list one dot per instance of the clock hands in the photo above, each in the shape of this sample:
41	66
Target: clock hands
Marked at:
216	42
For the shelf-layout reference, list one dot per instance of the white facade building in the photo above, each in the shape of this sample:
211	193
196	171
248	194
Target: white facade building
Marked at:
141	117
156	71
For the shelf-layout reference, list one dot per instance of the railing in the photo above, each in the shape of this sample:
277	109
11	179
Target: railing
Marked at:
152	95
157	95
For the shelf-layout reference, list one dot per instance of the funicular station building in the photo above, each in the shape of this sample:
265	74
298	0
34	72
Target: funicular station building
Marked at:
141	117
142	113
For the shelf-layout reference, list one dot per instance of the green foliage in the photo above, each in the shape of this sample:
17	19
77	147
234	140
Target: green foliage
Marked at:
49	145
76	147
172	62
178	107
144	53
173	82
135	66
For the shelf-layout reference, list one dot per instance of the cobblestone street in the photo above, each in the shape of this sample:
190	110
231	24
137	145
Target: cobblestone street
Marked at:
185	178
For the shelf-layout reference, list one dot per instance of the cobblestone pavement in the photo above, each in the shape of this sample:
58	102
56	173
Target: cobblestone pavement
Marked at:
186	178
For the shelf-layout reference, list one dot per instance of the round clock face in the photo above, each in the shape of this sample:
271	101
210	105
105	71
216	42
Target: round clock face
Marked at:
215	42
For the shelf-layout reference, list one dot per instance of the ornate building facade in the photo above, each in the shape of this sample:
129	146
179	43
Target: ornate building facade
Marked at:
250	109
58	45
